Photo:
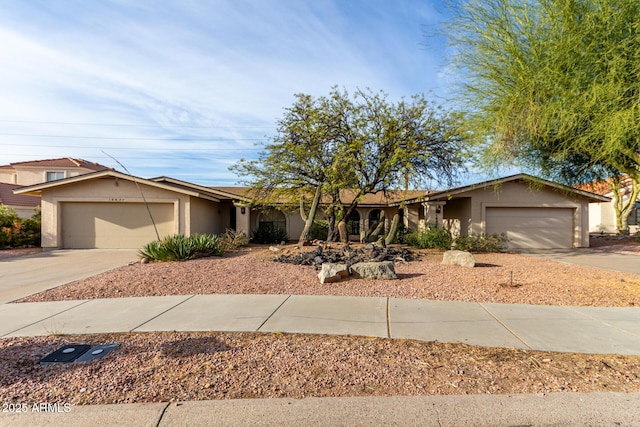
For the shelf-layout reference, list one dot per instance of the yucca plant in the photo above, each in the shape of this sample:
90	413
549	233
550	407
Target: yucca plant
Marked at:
179	248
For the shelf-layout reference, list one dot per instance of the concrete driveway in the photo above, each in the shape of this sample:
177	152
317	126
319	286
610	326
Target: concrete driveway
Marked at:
624	262
26	275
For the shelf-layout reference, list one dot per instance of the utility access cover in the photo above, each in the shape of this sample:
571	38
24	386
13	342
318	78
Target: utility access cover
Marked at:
66	354
98	352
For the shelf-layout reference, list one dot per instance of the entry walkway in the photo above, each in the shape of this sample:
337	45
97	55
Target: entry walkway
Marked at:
596	330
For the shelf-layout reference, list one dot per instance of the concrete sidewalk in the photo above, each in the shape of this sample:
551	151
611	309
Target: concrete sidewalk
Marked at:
555	409
595	330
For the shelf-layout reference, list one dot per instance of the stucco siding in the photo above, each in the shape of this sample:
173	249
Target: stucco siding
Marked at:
105	190
207	217
602	217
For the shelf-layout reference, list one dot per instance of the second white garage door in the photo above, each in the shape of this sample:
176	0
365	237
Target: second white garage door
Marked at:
532	228
113	225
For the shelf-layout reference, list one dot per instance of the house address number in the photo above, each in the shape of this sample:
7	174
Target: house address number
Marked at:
116	199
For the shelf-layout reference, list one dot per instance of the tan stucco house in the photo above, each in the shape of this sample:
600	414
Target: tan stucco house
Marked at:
109	209
20	174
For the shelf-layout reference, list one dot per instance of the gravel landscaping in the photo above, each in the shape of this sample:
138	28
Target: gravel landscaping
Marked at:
150	367
499	278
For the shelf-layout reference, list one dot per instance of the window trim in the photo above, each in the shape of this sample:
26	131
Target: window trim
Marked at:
46	175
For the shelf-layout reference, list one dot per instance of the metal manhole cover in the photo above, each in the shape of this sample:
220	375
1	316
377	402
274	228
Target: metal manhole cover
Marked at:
65	354
98	352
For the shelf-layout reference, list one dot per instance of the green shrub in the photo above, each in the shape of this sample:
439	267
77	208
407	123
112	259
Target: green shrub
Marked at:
268	233
319	230
180	248
16	232
232	240
482	243
7	216
431	238
30	231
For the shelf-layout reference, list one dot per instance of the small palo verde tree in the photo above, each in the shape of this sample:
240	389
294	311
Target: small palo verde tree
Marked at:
553	85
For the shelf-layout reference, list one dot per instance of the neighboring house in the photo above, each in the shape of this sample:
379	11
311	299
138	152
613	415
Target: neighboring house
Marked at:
24	206
109	209
20	174
602	215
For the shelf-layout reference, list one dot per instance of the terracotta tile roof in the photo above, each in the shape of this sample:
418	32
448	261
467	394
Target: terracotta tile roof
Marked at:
602	187
346	196
65	162
8	198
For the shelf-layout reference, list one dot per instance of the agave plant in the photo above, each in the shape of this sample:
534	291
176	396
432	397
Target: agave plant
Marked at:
179	248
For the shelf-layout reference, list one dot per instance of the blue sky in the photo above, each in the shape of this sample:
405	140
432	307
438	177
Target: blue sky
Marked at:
186	88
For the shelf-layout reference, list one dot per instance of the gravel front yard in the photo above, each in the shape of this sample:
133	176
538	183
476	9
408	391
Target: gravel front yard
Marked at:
500	278
198	366
203	366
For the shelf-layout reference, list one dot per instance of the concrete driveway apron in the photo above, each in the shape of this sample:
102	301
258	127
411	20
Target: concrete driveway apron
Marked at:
624	262
23	276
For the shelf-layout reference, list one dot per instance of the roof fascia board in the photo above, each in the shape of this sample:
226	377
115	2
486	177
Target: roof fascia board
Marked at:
34	190
212	191
522	176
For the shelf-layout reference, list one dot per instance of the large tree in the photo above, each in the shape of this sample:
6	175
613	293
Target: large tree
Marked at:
554	84
300	160
360	142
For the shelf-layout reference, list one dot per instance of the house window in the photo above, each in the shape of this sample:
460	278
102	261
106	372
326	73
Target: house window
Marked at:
272	219
374	218
53	176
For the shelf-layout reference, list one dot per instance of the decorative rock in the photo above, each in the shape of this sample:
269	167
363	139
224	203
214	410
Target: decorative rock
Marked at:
144	261
274	249
465	259
331	273
374	270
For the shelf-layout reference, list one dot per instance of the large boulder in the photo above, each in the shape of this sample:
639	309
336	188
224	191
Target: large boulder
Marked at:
462	258
331	273
374	270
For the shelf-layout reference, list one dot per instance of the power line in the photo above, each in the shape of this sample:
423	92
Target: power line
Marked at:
131	138
133	125
176	149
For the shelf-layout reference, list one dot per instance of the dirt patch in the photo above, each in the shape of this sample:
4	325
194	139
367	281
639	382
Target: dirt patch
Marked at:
499	278
152	367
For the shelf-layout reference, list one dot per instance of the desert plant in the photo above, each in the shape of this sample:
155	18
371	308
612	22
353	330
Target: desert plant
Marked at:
319	230
7	216
268	233
231	239
430	238
482	243
179	248
30	233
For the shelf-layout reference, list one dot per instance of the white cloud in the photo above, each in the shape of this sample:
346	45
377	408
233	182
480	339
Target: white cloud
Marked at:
191	70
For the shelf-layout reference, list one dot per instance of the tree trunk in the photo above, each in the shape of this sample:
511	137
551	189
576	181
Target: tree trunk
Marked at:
344	232
304	236
622	208
377	230
392	230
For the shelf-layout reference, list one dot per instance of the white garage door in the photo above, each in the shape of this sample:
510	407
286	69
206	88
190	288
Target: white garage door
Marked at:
113	225
532	228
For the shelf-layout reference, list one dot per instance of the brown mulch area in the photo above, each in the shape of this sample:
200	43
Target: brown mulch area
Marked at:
151	367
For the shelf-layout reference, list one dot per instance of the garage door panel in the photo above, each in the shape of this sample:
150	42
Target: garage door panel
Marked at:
532	228
114	225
